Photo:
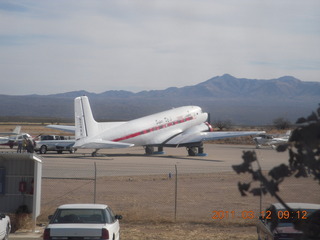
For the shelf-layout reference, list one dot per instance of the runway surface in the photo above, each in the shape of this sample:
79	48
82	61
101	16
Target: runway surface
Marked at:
133	161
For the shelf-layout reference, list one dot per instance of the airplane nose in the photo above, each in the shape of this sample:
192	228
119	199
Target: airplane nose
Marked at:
203	116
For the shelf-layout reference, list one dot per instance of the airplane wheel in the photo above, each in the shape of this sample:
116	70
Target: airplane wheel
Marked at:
149	150
200	149
43	149
192	151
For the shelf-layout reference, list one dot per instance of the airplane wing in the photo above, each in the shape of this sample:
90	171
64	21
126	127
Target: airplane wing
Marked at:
65	128
206	136
99	144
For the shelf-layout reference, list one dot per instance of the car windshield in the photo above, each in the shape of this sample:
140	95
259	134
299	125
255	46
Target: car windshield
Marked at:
79	216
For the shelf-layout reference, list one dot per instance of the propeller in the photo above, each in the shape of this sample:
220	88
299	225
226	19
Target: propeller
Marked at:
209	118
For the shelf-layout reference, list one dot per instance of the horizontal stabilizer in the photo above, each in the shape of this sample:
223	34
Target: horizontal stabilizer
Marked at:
66	128
102	126
65	144
99	144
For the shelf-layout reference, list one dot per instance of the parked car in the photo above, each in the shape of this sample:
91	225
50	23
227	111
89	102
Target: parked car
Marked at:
5	226
54	143
83	221
276	222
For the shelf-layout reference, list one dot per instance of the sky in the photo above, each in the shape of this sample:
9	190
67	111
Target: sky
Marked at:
55	46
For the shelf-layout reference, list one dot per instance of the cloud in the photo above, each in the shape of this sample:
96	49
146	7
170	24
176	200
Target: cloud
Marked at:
138	45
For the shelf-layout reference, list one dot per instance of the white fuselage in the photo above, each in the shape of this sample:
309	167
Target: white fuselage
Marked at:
13	139
157	128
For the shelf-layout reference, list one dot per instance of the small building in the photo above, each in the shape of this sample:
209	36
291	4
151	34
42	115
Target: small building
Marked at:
20	183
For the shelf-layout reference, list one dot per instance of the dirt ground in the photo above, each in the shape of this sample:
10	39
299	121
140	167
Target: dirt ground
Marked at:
148	203
181	231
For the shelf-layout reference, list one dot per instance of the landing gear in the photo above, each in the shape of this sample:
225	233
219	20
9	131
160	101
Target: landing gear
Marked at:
94	153
150	150
200	150
192	151
160	150
196	151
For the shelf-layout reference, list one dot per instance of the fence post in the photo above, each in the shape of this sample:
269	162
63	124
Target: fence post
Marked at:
95	183
176	194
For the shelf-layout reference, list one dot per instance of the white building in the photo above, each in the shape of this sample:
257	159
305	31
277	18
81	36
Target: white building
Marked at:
20	183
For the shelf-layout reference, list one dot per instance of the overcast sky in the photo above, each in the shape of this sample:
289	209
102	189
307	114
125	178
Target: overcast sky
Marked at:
98	45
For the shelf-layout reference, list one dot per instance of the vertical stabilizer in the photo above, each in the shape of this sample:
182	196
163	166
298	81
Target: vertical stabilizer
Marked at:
17	130
85	124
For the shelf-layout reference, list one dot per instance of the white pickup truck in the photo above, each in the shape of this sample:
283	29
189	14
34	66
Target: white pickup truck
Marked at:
54	143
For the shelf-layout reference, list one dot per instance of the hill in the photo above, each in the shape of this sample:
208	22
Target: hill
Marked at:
243	101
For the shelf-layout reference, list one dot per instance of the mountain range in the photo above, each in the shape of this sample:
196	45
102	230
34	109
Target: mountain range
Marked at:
240	100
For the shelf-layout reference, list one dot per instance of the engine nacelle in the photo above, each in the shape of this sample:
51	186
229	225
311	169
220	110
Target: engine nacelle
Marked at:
203	127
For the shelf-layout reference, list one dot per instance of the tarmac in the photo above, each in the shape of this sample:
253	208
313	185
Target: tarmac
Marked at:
133	161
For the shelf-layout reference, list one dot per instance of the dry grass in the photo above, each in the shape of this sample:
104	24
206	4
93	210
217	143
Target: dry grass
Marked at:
20	221
185	231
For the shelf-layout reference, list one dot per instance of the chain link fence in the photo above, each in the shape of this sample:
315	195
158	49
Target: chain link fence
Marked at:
176	194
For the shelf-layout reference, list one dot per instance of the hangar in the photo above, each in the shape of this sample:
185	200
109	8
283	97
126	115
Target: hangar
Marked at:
20	183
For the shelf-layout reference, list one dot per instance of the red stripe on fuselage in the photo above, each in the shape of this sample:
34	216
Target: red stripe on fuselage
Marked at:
156	128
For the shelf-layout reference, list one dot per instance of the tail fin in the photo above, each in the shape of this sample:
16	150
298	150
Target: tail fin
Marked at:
17	130
85	124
